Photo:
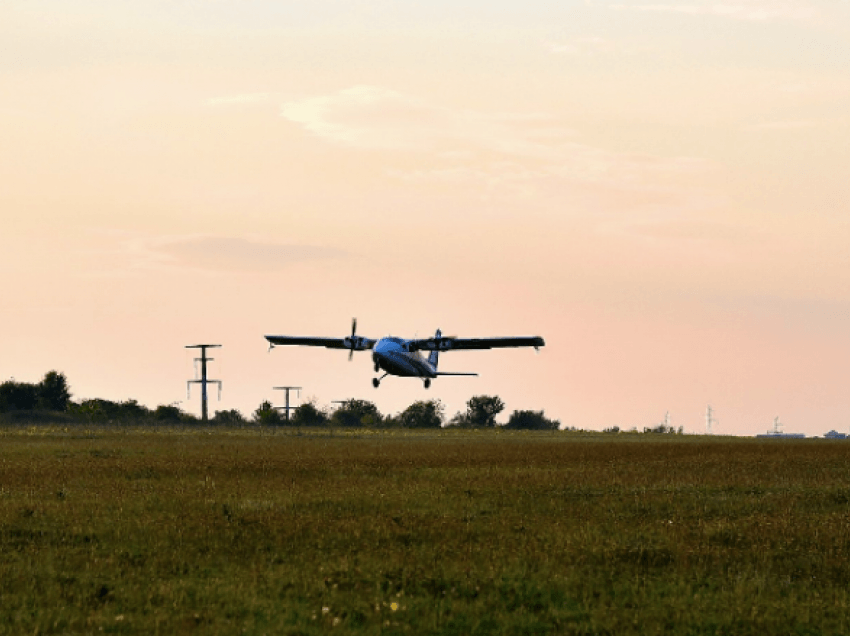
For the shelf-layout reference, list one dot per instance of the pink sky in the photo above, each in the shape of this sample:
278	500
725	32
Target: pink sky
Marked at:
660	190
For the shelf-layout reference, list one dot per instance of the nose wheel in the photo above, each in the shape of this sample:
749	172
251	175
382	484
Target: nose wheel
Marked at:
376	382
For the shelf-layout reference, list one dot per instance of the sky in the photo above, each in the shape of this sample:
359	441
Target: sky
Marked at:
658	188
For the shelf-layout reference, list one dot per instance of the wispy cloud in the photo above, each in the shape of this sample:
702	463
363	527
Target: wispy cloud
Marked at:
492	149
373	117
751	10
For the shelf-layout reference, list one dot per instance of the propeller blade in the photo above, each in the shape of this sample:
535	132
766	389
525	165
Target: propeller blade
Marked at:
353	336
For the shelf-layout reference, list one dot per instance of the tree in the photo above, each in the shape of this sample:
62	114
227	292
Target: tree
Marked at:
53	393
422	414
531	421
308	414
18	396
354	413
266	415
481	411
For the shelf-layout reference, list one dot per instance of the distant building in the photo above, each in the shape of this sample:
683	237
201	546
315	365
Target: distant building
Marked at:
835	435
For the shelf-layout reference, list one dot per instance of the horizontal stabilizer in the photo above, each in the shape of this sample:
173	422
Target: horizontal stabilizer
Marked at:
453	373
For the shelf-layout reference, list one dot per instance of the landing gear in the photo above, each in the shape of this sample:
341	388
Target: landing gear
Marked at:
377	368
376	382
427	382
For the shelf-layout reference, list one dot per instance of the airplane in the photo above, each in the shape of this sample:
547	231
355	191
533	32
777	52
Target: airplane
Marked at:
400	356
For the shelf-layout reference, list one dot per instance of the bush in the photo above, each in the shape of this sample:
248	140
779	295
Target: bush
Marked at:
481	412
18	396
531	421
169	413
98	410
229	418
266	415
421	414
308	414
51	394
355	413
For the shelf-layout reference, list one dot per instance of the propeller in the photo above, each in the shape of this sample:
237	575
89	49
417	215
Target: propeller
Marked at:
353	340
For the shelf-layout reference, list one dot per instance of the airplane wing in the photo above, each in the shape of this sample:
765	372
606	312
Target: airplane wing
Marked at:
449	344
360	344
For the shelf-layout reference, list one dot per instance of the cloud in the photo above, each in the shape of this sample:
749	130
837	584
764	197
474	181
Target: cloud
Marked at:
520	151
372	117
749	10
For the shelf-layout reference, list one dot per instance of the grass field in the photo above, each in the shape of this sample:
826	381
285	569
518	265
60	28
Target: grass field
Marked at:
148	531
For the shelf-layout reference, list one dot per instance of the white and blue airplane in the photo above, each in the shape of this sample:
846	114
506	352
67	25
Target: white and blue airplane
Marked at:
400	356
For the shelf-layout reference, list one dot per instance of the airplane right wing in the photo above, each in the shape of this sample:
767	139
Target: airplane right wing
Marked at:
495	343
359	343
444	343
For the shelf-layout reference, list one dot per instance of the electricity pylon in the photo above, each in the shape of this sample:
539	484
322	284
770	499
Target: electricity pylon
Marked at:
287	389
203	381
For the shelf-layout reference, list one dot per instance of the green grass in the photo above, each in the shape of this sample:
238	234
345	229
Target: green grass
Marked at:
238	531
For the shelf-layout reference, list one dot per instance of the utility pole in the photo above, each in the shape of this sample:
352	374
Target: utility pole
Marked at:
287	389
203	381
709	420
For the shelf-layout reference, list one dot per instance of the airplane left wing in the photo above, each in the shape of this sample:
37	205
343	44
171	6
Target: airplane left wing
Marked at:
449	344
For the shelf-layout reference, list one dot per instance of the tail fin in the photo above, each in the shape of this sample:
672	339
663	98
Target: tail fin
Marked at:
432	358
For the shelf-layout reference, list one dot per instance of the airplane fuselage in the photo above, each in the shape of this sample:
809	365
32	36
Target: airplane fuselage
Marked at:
394	356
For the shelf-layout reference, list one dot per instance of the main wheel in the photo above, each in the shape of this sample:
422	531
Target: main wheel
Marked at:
427	382
376	382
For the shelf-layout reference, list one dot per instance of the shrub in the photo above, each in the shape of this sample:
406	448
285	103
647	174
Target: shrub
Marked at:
308	414
354	413
422	414
266	415
532	421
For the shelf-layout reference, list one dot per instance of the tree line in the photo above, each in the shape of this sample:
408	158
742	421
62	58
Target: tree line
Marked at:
51	397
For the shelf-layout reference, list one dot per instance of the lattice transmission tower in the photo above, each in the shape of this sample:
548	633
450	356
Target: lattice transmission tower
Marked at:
203	380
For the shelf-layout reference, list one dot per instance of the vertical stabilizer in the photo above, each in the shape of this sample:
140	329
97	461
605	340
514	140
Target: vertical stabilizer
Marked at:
432	358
